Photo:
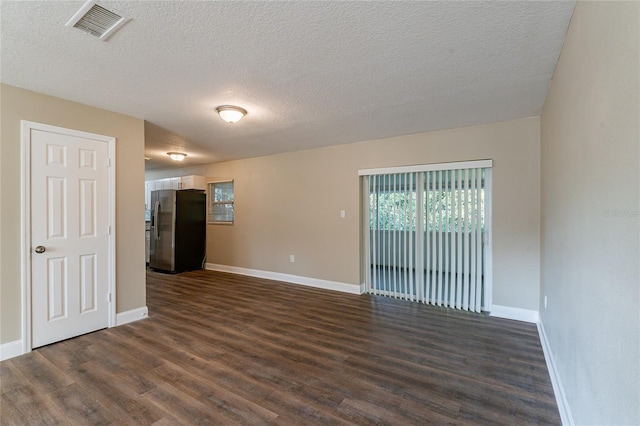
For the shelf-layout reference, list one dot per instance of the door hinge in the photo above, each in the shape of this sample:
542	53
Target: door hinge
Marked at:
109	230
109	297
108	162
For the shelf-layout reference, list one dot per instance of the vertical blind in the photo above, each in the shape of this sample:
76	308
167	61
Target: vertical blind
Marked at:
426	233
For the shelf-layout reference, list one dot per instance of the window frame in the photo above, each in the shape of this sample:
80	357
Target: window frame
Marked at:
211	202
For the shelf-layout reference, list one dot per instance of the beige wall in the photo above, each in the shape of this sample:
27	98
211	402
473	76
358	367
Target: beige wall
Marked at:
18	104
590	132
290	204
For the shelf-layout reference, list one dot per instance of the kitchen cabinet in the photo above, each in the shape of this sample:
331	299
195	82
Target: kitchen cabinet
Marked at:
147	243
192	182
181	182
167	183
148	187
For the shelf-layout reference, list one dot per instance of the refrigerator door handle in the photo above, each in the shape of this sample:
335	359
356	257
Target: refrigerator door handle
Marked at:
156	213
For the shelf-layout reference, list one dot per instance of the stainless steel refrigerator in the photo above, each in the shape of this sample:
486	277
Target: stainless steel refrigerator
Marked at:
178	230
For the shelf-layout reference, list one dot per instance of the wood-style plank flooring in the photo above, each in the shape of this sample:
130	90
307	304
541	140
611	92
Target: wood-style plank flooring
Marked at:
226	349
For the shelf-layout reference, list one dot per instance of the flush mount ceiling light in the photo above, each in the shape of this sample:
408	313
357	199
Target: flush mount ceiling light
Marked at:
230	113
177	156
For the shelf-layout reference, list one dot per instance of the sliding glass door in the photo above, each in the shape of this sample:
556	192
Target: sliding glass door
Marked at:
427	233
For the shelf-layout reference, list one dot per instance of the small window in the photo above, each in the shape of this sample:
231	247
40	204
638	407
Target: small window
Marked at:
220	209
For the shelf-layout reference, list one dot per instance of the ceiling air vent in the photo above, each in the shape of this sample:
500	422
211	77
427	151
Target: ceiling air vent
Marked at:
95	19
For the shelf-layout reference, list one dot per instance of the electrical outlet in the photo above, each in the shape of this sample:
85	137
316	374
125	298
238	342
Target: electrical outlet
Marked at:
292	258
545	302
343	214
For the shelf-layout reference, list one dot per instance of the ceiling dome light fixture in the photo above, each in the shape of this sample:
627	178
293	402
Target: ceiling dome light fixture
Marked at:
230	113
177	156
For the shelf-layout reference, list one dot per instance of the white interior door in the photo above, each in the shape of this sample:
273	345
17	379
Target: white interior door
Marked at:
69	235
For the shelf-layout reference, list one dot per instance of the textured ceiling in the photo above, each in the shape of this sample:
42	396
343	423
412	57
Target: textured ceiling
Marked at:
310	74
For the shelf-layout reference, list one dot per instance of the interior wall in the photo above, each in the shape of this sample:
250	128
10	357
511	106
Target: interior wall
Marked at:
18	104
290	204
590	132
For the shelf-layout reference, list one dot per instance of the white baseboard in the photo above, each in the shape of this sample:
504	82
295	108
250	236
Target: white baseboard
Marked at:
517	314
14	349
558	389
132	315
10	350
294	279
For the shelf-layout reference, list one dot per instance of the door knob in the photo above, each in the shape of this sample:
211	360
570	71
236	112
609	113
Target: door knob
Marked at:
40	249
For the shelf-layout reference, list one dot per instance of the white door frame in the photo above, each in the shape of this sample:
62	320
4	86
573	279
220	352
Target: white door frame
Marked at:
25	220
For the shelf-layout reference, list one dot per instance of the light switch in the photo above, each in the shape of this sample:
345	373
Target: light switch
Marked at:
343	214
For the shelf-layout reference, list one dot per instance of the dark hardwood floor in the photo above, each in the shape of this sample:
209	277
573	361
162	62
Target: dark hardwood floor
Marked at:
226	349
